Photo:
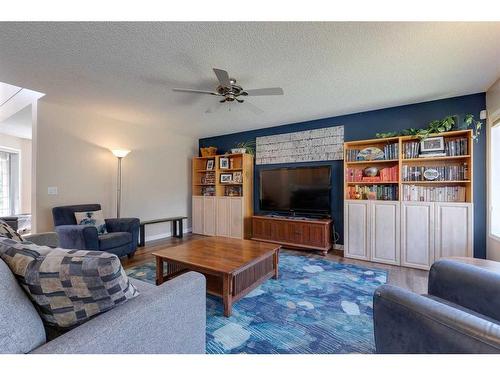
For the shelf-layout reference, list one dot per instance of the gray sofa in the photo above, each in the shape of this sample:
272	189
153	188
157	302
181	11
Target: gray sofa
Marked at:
169	318
459	314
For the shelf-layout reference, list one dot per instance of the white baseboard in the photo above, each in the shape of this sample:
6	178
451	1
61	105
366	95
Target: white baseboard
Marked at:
164	235
338	247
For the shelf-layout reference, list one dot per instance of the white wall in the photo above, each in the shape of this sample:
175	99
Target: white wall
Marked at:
72	149
493	170
23	146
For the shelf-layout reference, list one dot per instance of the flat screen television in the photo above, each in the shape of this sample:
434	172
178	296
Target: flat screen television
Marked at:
301	190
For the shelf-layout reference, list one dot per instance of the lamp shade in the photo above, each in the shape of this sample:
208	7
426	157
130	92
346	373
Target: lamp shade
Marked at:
120	153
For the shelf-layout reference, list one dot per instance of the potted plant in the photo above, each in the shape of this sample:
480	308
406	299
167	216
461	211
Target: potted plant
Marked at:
440	126
247	147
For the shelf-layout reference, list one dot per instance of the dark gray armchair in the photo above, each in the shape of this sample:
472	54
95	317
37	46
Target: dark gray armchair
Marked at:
460	313
120	240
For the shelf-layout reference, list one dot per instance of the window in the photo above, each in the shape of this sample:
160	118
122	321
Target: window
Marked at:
495	179
9	183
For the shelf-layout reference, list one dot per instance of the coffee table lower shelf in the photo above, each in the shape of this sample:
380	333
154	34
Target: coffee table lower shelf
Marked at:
231	286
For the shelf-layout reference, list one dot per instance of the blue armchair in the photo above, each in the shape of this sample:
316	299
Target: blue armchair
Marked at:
120	240
459	314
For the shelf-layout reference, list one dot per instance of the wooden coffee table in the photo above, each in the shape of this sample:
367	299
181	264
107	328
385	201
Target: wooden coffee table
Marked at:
232	267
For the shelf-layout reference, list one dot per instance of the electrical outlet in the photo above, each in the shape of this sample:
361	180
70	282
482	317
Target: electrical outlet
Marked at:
52	190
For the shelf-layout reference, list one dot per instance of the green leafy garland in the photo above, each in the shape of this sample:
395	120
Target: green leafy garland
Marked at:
439	126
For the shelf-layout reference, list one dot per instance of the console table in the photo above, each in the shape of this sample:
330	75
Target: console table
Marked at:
312	234
176	227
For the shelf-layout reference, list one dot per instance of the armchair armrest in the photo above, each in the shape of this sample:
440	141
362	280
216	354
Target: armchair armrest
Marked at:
466	285
122	224
170	318
406	322
130	225
50	239
82	237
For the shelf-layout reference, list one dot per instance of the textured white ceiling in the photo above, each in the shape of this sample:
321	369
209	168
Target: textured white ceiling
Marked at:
127	70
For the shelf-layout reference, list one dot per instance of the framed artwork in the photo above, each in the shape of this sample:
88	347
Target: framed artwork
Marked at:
210	165
432	144
224	163
237	177
226	178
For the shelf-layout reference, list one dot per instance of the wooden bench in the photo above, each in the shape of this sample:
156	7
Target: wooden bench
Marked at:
176	227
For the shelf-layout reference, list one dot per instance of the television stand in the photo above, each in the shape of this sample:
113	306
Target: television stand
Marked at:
295	233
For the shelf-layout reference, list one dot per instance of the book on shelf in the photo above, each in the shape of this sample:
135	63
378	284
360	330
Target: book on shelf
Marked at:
456	147
444	173
373	192
391	151
385	175
411	150
352	154
433	193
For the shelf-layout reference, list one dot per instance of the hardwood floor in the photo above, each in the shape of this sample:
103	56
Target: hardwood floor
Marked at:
407	278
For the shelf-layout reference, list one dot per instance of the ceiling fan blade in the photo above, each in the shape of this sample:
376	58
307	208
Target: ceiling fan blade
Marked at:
266	91
253	108
223	77
197	91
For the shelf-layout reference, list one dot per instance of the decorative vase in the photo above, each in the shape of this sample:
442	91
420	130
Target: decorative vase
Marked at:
370	171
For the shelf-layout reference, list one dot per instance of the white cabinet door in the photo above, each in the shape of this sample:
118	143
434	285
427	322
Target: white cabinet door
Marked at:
453	230
357	229
197	209
209	216
223	216
236	217
417	234
385	232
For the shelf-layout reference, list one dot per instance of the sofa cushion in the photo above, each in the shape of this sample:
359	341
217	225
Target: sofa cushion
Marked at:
7	231
115	239
94	218
21	329
67	286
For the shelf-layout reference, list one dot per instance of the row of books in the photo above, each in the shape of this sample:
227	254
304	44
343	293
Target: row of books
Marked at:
456	147
352	154
433	194
411	150
442	173
373	192
391	151
384	175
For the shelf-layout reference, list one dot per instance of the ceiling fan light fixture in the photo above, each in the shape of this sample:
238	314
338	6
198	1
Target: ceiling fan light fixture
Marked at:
231	91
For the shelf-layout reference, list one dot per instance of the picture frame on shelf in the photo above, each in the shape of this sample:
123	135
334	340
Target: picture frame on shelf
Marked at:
232	191
226	178
237	177
210	165
432	144
224	163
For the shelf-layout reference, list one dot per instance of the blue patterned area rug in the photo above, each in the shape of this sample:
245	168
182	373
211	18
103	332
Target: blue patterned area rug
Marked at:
316	306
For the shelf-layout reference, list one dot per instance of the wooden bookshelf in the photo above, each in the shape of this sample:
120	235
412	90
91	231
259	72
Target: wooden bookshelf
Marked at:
223	208
463	163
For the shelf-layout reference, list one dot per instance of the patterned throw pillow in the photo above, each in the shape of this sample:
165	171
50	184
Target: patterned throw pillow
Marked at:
67	286
7	231
94	218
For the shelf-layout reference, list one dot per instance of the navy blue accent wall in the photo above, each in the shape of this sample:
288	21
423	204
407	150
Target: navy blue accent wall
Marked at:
364	125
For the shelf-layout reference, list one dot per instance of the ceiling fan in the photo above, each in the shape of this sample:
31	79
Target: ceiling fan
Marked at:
230	91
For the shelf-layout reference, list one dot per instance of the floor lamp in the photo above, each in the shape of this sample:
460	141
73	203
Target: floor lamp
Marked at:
120	154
